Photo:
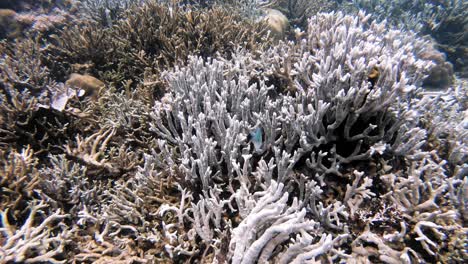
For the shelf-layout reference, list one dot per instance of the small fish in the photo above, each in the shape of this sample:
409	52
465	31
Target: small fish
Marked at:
256	138
373	76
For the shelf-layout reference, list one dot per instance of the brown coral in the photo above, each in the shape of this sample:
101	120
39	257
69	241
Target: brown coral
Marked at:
441	75
25	93
88	83
152	37
19	178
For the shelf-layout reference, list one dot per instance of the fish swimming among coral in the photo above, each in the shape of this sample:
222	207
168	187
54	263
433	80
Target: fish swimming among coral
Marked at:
256	137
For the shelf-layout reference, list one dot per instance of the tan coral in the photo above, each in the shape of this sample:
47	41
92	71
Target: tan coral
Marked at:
88	83
277	23
9	26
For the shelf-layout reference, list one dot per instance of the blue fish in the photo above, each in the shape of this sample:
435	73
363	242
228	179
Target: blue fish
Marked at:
256	138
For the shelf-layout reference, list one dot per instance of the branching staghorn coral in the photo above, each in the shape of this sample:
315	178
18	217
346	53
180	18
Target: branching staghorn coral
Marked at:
423	14
106	12
33	105
34	242
288	113
122	219
319	150
414	195
279	221
346	104
446	119
91	150
299	11
151	37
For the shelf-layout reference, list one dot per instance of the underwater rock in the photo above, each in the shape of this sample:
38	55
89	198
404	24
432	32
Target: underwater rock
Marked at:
277	23
9	26
441	75
88	83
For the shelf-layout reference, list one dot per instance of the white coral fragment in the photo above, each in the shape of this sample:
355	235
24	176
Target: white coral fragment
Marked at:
32	242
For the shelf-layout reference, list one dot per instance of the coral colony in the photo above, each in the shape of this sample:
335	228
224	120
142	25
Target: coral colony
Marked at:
233	131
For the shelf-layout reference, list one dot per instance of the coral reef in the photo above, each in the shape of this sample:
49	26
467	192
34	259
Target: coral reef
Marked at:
9	24
34	243
441	75
444	20
105	12
316	141
26	97
451	34
149	38
180	132
411	15
20	18
298	11
49	23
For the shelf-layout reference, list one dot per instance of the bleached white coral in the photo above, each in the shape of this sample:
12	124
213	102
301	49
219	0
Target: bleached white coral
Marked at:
34	242
269	224
348	101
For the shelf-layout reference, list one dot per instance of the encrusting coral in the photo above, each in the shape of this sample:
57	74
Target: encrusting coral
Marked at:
322	149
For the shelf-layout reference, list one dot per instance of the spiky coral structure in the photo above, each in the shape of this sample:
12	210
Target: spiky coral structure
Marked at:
150	38
34	243
320	136
322	149
444	20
